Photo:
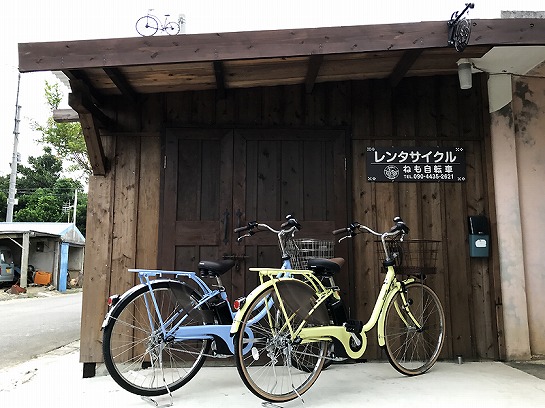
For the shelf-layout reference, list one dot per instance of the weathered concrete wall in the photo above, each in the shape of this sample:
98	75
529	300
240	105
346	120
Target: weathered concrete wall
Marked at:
518	143
529	124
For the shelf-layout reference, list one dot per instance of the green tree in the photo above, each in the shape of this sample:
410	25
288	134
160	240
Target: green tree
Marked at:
66	138
45	196
41	206
43	172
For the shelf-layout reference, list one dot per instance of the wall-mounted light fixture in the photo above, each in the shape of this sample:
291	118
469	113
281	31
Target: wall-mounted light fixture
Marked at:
464	73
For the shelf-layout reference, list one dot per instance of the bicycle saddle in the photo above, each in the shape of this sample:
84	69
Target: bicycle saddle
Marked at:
325	267
215	268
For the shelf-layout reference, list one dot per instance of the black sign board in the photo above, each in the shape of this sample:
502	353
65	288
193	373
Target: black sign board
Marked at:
416	164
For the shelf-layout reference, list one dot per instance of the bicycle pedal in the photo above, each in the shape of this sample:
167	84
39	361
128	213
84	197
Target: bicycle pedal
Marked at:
353	326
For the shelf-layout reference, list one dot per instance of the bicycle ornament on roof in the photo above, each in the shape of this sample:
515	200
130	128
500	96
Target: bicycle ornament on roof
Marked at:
459	29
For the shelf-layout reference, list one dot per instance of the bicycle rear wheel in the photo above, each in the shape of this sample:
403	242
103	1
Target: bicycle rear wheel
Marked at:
413	348
137	355
147	26
272	365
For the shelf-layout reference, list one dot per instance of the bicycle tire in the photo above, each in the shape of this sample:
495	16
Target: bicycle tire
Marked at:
274	355
172	28
133	346
410	350
147	26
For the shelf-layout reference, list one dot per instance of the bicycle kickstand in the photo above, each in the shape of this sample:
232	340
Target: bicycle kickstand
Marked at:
156	404
151	400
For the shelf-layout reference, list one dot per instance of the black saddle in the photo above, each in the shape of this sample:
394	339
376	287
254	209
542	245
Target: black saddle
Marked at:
214	269
325	267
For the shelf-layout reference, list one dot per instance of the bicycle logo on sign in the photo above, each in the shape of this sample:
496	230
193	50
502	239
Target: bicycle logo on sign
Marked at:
149	24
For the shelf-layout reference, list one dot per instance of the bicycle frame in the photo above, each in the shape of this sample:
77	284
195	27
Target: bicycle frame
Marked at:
389	288
184	333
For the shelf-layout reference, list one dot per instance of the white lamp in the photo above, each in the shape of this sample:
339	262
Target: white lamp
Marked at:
464	73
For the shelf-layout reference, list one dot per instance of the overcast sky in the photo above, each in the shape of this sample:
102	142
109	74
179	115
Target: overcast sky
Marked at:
57	20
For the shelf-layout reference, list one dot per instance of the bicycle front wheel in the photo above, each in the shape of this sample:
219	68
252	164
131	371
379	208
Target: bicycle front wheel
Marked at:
273	365
172	28
147	26
414	329
137	354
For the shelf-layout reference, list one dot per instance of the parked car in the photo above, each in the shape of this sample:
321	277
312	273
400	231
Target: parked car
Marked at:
9	272
7	267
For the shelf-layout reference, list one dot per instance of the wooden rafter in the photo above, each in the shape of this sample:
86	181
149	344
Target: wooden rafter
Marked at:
220	78
65	115
314	64
91	133
83	101
405	63
122	84
78	78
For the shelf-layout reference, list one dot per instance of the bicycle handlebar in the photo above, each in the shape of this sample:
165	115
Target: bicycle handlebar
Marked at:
253	227
355	228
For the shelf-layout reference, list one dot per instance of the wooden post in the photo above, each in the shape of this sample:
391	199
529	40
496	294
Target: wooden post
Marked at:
24	260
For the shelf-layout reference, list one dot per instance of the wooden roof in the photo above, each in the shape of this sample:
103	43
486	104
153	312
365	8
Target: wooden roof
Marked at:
269	58
221	61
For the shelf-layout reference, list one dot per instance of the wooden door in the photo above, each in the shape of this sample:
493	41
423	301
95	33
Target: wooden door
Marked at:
197	197
276	173
216	180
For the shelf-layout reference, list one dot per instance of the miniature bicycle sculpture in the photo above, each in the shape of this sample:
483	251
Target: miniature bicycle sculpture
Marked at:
149	24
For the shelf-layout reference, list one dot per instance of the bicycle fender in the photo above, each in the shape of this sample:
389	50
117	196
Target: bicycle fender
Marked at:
120	302
249	299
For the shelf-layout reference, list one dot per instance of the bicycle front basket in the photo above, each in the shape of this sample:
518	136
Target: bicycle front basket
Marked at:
302	249
413	257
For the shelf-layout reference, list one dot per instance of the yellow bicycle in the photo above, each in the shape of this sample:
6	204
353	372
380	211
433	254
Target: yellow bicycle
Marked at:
290	343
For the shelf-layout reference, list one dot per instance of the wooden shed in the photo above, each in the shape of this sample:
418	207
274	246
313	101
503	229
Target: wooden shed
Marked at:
192	135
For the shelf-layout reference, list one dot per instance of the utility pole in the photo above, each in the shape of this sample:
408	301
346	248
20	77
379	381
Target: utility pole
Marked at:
75	204
13	177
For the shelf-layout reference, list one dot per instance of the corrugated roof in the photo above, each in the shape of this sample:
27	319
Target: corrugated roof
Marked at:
66	231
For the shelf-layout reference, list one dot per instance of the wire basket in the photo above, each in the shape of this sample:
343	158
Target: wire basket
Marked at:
413	257
302	249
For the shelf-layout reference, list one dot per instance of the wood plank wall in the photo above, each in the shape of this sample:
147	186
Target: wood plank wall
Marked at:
124	206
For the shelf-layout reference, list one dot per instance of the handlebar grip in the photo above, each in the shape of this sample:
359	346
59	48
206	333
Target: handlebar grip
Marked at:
400	226
291	222
251	225
341	231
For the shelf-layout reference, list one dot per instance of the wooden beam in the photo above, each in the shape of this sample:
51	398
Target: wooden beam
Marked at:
83	104
65	115
79	79
91	134
314	64
220	79
404	64
122	84
67	55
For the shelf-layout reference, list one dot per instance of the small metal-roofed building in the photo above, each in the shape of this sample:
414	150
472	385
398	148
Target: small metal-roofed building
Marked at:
54	247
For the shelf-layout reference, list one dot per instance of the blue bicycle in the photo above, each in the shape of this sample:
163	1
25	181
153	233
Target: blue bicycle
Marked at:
158	334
